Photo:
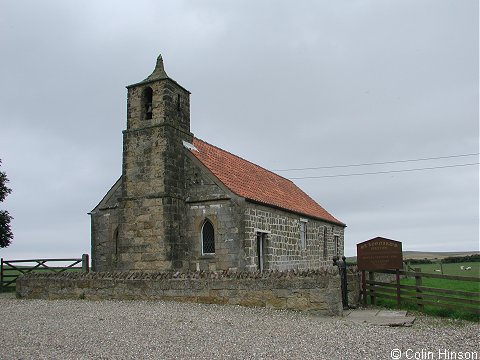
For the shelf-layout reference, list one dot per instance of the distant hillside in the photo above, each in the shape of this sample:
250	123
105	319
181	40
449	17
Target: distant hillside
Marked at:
430	255
435	255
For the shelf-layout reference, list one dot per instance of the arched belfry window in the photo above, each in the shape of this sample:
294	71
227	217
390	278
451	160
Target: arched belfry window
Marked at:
147	103
208	238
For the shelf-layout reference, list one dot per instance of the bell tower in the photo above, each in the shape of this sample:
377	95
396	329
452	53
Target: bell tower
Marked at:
158	100
152	208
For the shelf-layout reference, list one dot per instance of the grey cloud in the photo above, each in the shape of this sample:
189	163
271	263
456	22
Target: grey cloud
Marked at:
282	84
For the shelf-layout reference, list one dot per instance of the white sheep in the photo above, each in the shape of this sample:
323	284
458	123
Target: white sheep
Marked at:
462	267
438	270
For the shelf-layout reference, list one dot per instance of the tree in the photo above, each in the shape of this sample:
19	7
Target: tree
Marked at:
6	234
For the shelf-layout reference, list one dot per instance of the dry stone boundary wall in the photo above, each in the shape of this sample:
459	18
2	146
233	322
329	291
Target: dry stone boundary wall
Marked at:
315	290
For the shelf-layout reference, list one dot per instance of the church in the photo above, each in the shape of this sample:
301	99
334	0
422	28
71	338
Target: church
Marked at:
183	204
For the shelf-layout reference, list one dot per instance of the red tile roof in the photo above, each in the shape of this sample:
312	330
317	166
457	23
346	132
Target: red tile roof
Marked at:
257	184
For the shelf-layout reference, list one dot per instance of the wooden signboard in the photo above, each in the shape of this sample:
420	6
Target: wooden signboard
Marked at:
379	254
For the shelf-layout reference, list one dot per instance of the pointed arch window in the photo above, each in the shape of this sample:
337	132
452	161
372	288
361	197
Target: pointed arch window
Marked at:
208	238
147	103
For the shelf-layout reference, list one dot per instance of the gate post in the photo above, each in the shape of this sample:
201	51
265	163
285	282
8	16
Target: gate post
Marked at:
418	283
371	279
343	273
1	276
397	278
364	288
85	267
342	270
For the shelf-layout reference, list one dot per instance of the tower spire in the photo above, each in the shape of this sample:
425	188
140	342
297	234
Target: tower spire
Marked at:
159	71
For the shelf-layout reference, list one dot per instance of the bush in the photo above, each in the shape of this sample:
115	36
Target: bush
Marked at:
461	259
418	261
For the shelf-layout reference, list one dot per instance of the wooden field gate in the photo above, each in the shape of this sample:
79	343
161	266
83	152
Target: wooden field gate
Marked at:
418	294
10	270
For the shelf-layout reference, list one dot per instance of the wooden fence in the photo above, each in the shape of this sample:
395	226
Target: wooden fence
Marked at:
418	294
10	270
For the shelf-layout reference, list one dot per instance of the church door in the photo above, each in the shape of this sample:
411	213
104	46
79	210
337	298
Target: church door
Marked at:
261	247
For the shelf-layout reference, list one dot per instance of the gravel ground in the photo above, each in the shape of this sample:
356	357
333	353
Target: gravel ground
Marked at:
80	329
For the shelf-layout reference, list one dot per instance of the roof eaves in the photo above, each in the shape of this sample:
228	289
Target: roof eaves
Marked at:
258	202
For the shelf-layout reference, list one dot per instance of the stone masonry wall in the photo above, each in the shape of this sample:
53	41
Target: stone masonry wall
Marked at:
353	289
317	291
152	209
170	102
284	249
104	235
104	223
224	216
206	200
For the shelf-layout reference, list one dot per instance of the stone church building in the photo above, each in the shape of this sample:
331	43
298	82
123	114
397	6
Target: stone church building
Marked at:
184	204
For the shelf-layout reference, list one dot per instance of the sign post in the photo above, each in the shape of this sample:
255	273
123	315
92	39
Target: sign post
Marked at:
379	254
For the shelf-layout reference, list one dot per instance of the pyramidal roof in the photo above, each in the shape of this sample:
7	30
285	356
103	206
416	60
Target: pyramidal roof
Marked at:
159	71
158	74
257	184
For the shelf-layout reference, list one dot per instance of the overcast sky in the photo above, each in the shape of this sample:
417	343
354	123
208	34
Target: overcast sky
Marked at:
284	84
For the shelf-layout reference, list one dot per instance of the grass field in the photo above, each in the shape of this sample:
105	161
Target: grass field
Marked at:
451	268
448	269
469	286
430	255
